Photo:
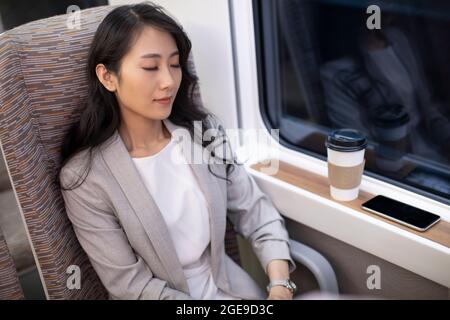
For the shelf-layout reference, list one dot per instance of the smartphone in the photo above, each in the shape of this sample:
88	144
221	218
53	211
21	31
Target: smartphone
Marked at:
400	212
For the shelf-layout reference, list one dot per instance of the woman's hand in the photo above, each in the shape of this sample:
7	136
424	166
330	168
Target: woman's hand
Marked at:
276	270
280	293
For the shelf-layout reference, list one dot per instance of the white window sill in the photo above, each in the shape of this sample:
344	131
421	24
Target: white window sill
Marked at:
405	249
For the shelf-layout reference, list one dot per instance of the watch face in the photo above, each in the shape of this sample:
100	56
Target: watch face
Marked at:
293	286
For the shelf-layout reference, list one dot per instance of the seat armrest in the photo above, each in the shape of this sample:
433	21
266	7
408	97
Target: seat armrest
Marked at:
317	264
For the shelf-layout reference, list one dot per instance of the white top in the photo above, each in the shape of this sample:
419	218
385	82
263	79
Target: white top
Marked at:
174	188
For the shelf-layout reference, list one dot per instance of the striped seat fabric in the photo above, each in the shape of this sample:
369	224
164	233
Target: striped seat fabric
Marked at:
43	85
42	89
10	288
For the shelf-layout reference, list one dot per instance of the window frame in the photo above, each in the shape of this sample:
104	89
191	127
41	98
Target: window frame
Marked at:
270	102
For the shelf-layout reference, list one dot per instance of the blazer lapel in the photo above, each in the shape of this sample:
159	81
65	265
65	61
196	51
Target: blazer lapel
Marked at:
213	195
121	165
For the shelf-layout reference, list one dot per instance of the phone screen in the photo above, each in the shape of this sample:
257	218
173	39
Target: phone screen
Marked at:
402	212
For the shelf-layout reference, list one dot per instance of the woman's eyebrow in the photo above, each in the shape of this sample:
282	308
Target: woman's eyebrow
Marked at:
157	55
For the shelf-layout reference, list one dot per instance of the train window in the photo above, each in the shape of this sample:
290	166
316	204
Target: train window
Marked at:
320	67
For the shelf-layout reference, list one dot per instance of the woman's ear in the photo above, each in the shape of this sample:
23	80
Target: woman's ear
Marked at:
107	78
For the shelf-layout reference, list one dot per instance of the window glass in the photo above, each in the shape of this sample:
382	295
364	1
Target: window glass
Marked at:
322	68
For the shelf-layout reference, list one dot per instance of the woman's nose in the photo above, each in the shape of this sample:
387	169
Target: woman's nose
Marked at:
167	78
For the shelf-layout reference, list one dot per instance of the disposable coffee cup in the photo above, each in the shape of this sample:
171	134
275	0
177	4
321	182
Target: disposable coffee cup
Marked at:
345	151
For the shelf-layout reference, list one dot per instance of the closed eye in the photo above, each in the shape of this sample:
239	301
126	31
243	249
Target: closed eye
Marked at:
156	68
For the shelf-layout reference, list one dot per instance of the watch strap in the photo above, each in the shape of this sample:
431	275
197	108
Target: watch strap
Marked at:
285	283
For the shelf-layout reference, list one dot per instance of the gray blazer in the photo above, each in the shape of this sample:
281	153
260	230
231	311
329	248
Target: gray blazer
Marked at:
127	241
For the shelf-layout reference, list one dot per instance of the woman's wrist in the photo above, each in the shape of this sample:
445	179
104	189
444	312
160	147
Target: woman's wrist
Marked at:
280	293
278	270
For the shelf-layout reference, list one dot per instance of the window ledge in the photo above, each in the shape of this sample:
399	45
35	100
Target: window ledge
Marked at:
290	188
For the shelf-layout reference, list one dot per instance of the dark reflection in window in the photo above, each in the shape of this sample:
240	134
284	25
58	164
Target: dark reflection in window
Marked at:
391	84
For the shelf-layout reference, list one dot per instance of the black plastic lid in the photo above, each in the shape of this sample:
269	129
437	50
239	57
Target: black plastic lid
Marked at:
346	140
390	116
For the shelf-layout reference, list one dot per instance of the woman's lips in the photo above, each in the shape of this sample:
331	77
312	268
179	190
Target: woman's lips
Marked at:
164	101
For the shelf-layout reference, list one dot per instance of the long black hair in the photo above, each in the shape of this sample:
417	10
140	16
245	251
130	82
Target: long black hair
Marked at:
101	114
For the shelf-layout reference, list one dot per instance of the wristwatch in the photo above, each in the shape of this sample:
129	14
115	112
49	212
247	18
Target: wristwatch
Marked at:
285	283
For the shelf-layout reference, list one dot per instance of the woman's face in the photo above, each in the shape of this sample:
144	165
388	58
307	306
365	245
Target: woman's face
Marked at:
148	72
